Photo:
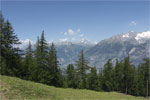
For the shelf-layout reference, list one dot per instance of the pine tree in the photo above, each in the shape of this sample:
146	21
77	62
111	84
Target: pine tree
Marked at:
147	76
100	79
93	79
129	76
2	60
29	65
82	67
10	56
55	72
71	82
1	34
141	80
144	78
41	57
37	60
9	36
107	76
118	75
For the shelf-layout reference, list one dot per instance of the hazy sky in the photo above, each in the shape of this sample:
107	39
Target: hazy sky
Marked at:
75	20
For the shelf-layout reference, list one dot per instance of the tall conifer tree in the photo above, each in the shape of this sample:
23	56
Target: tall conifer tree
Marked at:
93	79
82	67
107	76
55	72
10	56
71	80
29	65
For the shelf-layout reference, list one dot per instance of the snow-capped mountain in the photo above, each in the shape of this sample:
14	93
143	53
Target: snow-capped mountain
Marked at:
136	44
142	37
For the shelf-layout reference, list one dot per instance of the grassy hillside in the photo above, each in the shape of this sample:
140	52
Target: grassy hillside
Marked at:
16	89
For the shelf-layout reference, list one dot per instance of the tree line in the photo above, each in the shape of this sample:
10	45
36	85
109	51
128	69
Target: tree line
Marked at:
42	65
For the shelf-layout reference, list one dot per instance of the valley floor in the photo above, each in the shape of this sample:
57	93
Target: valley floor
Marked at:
12	88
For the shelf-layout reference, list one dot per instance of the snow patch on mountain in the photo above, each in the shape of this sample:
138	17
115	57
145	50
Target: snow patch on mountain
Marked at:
125	35
141	37
132	50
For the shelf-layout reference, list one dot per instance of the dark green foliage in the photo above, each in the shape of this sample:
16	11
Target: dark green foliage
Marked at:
100	79
71	76
93	79
56	76
118	75
2	40
10	56
37	60
29	64
41	56
82	67
129	75
143	77
108	76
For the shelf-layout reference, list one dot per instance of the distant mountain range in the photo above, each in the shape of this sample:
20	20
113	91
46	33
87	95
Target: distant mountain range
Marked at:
136	44
68	52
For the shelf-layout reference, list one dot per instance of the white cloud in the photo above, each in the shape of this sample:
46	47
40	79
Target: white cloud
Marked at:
26	41
78	30
132	23
24	44
73	39
143	35
51	41
63	40
81	35
71	32
65	33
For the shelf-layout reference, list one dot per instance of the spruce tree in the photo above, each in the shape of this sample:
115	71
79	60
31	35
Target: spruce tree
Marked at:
118	75
29	65
10	56
37	60
71	82
82	67
55	72
107	76
147	76
93	79
1	35
41	55
141	80
144	78
100	79
129	76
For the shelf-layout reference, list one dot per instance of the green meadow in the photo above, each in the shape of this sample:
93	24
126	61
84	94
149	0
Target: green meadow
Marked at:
12	88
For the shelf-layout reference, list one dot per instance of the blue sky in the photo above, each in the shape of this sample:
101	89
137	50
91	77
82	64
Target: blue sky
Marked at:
75	20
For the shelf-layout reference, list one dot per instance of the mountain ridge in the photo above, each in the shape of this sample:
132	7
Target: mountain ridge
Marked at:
118	47
136	44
